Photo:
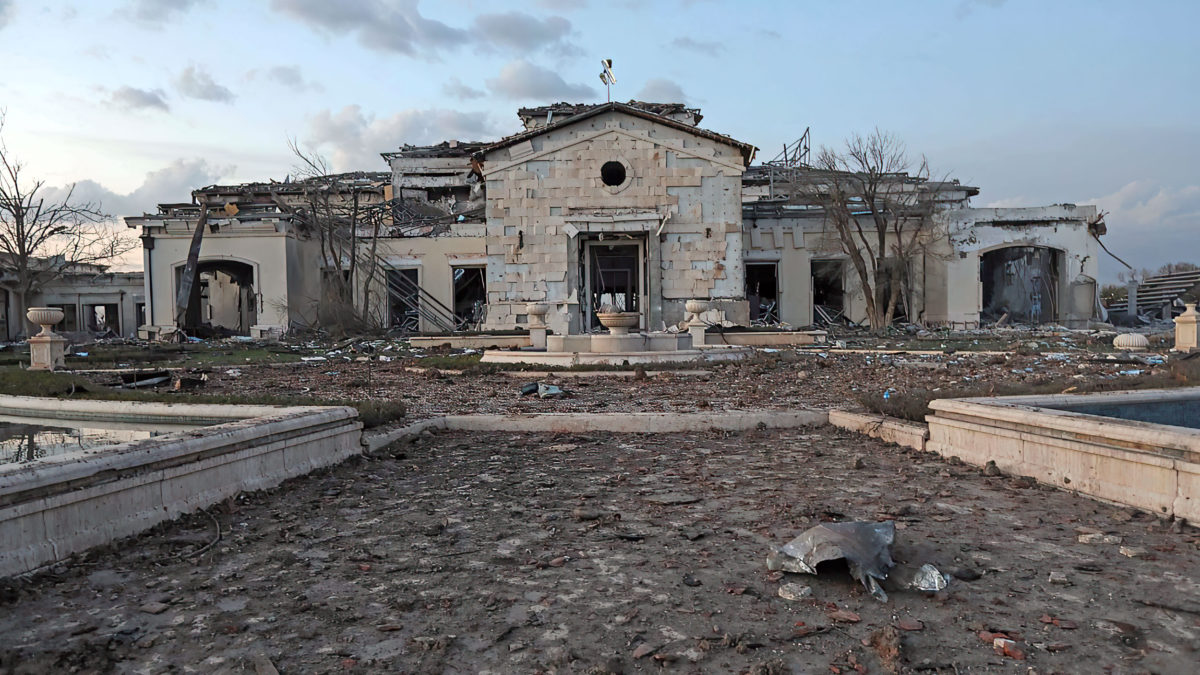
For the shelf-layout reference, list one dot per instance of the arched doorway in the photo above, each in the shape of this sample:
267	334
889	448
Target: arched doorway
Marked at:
1022	282
223	299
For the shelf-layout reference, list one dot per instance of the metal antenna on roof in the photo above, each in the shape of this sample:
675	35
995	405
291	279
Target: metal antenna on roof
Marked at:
607	77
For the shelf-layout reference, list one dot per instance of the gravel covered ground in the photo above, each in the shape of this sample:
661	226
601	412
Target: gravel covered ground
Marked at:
512	553
771	380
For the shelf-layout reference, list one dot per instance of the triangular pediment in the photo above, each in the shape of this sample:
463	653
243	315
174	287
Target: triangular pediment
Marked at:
705	153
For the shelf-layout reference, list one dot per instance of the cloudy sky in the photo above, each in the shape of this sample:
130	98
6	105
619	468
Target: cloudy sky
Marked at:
1035	102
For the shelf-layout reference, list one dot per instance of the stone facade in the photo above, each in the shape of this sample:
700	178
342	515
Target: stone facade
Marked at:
677	200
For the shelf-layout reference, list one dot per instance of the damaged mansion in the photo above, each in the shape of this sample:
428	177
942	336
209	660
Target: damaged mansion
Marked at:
587	207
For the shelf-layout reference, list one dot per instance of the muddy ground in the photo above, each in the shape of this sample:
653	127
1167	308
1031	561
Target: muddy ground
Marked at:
772	380
511	553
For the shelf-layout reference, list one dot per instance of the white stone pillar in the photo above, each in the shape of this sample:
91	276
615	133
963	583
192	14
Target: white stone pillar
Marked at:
1186	325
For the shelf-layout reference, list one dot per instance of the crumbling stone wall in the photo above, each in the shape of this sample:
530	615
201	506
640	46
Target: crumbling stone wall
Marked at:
545	196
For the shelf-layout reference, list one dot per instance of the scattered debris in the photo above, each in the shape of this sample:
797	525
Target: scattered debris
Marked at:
791	591
144	379
928	578
542	390
1134	552
1009	648
1098	538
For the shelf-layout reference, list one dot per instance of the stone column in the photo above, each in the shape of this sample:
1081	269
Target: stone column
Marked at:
1186	337
696	325
1131	290
47	349
537	324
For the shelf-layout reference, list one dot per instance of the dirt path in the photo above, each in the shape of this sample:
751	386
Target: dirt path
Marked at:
510	553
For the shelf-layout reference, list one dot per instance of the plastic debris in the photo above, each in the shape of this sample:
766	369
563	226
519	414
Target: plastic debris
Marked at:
542	390
866	547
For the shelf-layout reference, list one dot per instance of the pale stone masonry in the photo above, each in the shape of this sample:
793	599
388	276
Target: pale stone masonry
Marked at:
678	202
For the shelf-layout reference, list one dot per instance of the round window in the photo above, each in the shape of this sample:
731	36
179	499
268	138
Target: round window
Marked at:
612	173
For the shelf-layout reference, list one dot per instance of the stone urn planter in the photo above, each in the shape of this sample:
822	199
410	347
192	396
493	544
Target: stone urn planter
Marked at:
697	306
45	317
537	312
47	349
618	323
1131	342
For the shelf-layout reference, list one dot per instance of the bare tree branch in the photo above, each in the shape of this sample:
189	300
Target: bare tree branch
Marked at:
41	238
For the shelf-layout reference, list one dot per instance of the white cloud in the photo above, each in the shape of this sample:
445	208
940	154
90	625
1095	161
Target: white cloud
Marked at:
158	12
291	77
353	139
661	90
707	47
456	89
7	12
132	98
378	24
172	183
194	82
521	33
522	80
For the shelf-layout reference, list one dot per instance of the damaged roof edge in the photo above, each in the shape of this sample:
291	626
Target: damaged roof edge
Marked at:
746	149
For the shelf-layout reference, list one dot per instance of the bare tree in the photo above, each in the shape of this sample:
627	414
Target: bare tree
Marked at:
339	212
878	206
43	237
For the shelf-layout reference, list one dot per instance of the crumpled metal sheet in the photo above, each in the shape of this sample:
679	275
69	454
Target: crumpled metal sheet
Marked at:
928	578
866	547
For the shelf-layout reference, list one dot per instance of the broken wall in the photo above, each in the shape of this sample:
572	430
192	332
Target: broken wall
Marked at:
797	238
277	258
973	233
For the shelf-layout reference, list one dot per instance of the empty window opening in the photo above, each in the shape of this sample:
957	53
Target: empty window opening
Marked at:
103	319
1022	282
70	322
828	289
470	295
404	303
337	285
223	300
612	173
762	291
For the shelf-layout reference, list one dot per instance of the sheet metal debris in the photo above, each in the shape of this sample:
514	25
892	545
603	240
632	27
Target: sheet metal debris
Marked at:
866	548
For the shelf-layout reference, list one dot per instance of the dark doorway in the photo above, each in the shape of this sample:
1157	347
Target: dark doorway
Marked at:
470	295
828	290
403	300
223	299
1022	282
614	278
762	291
103	318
